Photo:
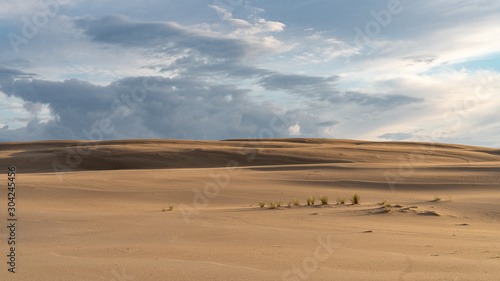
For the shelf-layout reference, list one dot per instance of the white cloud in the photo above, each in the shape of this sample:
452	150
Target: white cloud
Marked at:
242	28
294	130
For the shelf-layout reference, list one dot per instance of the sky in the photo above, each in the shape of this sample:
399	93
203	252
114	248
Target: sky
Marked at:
377	70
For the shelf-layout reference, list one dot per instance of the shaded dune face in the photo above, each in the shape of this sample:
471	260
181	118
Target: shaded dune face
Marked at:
49	156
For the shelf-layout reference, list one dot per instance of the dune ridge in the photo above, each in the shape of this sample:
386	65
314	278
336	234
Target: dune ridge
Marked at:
165	154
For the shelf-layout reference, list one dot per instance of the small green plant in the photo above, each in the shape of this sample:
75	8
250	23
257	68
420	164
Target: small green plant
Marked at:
296	202
436	198
310	200
387	209
341	200
272	205
355	199
278	204
262	204
170	207
324	200
385	203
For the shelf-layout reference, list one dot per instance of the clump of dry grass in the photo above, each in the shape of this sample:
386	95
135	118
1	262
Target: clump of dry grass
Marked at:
355	199
310	200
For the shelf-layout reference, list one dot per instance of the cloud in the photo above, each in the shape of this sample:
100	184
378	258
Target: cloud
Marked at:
324	89
381	101
300	84
162	36
425	59
396	136
7	77
243	27
174	108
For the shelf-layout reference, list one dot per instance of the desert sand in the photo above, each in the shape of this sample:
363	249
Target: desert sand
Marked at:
100	210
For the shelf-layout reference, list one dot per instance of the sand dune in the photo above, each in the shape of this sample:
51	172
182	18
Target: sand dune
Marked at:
95	211
165	154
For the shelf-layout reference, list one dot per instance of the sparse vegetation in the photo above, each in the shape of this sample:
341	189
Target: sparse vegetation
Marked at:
296	202
385	203
310	200
262	204
387	209
355	199
278	204
163	210
341	200
272	205
324	200
170	207
290	204
436	198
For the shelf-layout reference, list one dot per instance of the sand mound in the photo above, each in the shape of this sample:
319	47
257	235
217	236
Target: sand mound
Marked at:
48	156
429	213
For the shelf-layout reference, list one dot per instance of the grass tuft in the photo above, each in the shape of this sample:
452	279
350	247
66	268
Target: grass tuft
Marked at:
385	203
296	202
310	200
324	200
355	199
170	207
278	204
341	200
387	209
436	198
262	204
272	205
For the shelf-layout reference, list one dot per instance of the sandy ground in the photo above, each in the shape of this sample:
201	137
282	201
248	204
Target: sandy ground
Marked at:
104	214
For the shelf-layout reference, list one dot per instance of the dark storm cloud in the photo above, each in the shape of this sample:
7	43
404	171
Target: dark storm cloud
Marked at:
197	104
323	89
162	36
14	73
173	108
310	86
7	77
212	58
